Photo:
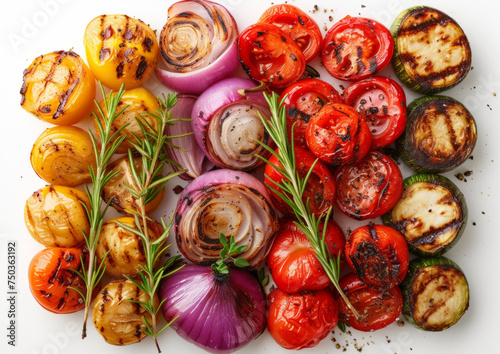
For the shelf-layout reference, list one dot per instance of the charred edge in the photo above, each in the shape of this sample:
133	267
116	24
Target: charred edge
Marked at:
300	20
373	232
221	21
64	99
107	32
373	65
141	68
103	53
426	81
294	112
184	15
428	238
347	136
338	54
440	20
147	43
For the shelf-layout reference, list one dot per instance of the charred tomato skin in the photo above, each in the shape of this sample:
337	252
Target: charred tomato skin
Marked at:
320	188
378	308
369	188
302	100
292	260
297	321
381	102
378	254
269	55
338	135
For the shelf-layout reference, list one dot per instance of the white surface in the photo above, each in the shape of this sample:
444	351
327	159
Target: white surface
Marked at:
32	28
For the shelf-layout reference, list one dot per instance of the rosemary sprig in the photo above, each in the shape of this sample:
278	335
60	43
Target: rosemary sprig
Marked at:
292	188
148	182
109	143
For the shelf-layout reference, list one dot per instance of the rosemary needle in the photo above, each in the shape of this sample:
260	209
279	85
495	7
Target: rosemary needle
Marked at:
293	186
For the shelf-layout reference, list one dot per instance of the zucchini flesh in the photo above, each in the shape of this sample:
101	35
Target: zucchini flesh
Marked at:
440	135
435	292
431	52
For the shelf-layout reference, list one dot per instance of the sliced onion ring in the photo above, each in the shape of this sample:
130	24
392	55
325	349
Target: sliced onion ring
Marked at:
230	202
227	125
192	158
198	46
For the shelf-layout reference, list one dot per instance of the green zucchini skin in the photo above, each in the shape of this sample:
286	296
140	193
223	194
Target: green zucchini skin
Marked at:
440	135
442	62
438	270
459	226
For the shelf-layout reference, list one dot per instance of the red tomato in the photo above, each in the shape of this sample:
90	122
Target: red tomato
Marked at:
378	308
338	135
320	188
269	55
298	25
292	260
298	321
381	102
355	48
302	100
378	254
51	279
368	188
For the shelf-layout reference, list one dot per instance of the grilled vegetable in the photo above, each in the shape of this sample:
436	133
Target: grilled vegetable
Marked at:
431	214
435	293
440	135
431	51
118	316
55	216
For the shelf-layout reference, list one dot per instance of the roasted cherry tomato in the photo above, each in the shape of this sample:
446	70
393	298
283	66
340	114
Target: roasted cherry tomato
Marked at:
320	188
368	188
378	309
302	100
338	135
62	155
120	50
378	254
58	88
381	102
51	279
355	48
138	105
269	55
292	260
296	23
298	321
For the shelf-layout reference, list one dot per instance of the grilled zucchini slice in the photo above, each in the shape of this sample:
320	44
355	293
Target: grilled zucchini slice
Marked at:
431	51
435	293
431	214
440	135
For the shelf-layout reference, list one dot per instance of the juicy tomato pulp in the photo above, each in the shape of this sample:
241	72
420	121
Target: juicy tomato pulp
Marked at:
338	135
369	188
381	102
269	55
320	188
378	309
302	100
298	321
355	48
292	260
298	25
379	255
51	278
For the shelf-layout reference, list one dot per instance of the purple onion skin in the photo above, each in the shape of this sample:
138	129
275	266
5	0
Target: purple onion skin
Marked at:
219	313
216	177
199	162
214	98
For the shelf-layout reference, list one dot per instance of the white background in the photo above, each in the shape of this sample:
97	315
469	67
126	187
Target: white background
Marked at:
32	28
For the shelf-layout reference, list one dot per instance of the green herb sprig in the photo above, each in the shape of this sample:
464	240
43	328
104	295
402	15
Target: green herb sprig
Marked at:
292	189
229	250
148	182
103	152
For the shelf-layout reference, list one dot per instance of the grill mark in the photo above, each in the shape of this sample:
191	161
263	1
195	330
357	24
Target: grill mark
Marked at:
222	23
437	19
63	99
427	80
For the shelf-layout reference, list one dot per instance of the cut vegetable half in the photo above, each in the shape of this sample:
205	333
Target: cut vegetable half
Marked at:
440	135
431	214
431	51
435	293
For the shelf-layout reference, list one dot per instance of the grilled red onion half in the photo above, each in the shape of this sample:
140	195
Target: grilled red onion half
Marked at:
192	157
227	125
198	46
233	203
220	313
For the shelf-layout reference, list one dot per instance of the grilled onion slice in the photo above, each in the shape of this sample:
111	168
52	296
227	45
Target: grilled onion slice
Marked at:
228	202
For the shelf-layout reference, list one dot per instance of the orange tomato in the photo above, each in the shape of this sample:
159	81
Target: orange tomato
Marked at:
62	155
120	50
58	88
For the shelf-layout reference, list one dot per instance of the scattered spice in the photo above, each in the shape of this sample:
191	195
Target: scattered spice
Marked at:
178	189
363	6
459	176
400	323
467	173
330	18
